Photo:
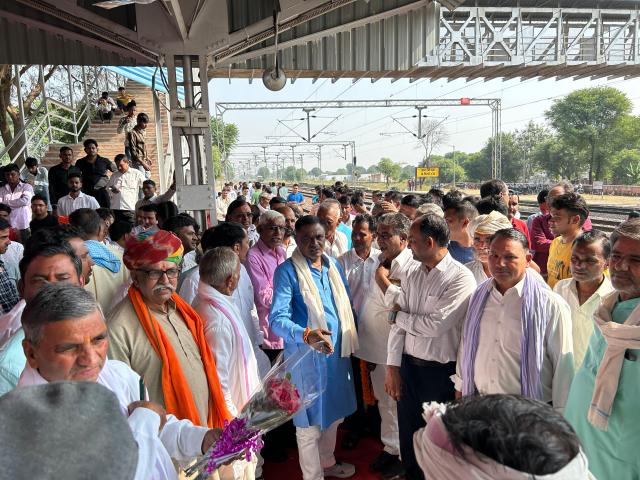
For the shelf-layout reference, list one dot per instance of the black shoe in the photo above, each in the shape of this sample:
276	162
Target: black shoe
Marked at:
394	470
350	440
382	461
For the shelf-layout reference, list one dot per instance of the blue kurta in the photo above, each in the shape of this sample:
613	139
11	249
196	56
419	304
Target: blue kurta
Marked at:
612	454
288	319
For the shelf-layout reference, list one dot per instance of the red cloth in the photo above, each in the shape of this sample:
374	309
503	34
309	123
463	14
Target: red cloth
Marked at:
522	227
148	248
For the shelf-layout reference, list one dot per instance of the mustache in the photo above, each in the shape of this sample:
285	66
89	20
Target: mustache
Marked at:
163	286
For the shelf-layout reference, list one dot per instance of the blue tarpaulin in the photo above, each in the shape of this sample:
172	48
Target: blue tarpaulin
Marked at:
145	75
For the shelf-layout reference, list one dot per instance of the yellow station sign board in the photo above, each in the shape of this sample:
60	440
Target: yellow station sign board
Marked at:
422	172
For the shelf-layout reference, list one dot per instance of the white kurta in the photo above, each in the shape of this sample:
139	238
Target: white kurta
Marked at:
179	439
499	353
243	299
338	247
360	275
373	321
228	339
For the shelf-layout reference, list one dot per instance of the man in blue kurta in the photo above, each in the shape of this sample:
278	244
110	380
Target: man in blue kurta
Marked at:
311	309
603	400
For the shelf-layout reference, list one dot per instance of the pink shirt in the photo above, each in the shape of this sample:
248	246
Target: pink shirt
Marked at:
20	202
261	264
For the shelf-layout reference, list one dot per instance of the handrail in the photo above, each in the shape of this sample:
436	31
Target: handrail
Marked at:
38	125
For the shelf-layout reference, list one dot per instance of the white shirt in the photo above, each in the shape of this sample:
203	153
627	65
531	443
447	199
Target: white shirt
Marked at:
253	235
222	205
11	322
581	315
433	306
20	202
11	259
129	184
338	247
179	439
360	275
189	261
499	353
229	341
291	247
373	320
243	300
68	204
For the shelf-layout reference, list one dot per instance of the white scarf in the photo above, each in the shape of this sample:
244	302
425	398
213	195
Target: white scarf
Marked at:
438	463
338	247
315	308
619	338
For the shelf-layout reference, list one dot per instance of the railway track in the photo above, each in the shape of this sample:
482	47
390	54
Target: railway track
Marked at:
603	217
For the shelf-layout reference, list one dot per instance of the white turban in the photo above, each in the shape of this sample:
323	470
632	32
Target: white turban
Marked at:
488	224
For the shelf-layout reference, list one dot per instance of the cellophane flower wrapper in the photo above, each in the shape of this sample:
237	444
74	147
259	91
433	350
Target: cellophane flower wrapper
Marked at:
293	384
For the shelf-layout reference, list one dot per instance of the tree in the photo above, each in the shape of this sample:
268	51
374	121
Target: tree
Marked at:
449	164
626	167
434	135
341	171
358	170
559	159
588	120
224	136
477	166
407	172
264	172
315	172
389	169
293	174
373	169
10	111
527	140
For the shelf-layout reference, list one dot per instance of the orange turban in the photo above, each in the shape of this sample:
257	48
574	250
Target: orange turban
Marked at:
152	247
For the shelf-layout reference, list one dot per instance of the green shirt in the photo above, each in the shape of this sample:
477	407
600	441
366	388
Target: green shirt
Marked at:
612	454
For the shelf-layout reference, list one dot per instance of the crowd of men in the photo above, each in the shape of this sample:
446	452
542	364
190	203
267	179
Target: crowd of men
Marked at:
493	347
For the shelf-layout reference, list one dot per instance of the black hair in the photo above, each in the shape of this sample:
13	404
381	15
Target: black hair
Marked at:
237	203
54	235
593	236
633	214
89	141
105	213
429	197
149	182
493	203
224	234
255	213
511	234
166	210
120	157
521	433
276	200
150	207
142	117
463	209
435	227
31	162
132	103
50	250
393	195
175	223
357	199
5	208
365	218
119	229
258	185
573	203
451	198
328	193
306	221
345	200
105	94
492	187
11	167
120	89
410	201
87	220
4	224
39	196
64	148
74	174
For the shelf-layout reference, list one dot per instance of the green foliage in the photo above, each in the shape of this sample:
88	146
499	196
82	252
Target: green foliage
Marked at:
389	169
407	172
373	169
224	137
293	174
341	171
448	164
559	159
315	172
588	120
626	167
264	172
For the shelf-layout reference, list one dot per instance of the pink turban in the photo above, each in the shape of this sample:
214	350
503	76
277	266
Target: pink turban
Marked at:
152	247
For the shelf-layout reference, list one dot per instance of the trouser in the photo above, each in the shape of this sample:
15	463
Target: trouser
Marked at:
422	381
316	449
102	196
24	235
106	115
356	422
239	470
388	412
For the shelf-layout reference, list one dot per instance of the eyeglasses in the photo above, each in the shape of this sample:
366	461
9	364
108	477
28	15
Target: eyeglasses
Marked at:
276	228
157	274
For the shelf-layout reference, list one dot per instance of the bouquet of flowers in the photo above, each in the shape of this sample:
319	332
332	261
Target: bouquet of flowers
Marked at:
292	384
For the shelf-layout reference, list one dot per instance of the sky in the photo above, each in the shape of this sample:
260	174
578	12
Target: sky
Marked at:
467	128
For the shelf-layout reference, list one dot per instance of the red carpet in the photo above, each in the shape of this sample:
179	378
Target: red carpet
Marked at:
368	448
